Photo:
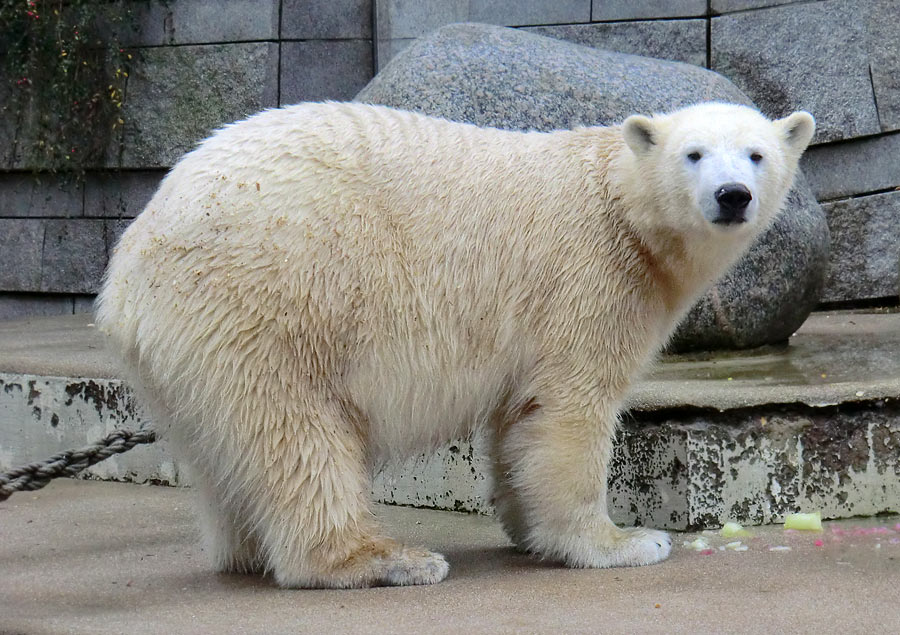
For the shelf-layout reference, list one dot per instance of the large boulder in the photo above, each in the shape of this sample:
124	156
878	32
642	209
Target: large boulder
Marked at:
506	78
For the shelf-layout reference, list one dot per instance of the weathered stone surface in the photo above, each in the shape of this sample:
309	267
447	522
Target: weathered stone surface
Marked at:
113	230
883	29
161	22
317	70
74	256
544	84
397	19
40	416
820	63
505	13
121	194
677	40
638	9
326	19
34	196
21	245
865	250
853	167
385	50
21	305
83	303
177	95
765	299
728	6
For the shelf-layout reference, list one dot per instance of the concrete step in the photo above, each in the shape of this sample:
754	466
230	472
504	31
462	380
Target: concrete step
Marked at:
729	436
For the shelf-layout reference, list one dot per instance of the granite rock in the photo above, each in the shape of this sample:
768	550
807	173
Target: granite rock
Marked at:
511	79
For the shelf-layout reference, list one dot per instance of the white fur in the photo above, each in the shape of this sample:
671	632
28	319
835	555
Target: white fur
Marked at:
322	288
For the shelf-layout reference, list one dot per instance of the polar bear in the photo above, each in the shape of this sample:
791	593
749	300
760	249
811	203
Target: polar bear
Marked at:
322	288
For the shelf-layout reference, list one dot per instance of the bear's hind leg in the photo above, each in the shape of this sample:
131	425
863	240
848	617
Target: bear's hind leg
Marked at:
227	539
307	486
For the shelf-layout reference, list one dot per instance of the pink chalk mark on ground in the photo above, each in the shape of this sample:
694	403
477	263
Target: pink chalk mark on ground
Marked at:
864	531
707	552
819	543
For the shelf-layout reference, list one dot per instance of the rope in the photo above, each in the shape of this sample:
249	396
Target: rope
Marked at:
69	463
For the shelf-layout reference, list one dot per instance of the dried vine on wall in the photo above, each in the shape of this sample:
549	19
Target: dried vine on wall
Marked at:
64	73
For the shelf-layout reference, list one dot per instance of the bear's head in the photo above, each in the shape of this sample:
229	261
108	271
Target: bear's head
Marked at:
715	167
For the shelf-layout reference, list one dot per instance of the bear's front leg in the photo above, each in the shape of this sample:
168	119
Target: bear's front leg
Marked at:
554	469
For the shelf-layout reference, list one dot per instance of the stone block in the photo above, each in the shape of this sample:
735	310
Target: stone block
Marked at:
853	167
398	19
74	256
729	6
178	95
385	50
14	306
520	12
83	303
121	194
864	248
677	40
883	29
317	70
113	231
161	22
33	196
641	9
326	19
820	63
21	245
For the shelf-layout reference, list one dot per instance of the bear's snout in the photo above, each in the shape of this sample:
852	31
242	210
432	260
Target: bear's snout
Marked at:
733	199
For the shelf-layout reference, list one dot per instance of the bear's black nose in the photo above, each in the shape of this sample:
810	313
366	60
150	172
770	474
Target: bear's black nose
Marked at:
733	199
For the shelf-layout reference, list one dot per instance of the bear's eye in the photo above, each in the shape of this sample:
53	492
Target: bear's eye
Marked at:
756	157
693	157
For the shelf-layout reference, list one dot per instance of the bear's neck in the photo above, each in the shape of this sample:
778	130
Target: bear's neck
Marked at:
676	267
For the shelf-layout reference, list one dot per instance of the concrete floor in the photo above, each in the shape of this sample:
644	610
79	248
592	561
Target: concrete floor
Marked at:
89	557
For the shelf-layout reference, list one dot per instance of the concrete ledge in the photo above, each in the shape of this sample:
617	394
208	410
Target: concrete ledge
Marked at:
747	436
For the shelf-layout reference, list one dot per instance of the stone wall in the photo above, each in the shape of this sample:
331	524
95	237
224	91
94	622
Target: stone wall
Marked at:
201	63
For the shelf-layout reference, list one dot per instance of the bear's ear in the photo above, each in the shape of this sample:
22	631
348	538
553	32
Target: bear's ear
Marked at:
639	133
797	130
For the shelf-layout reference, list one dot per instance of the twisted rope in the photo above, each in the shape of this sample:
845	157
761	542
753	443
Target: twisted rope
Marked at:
69	463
